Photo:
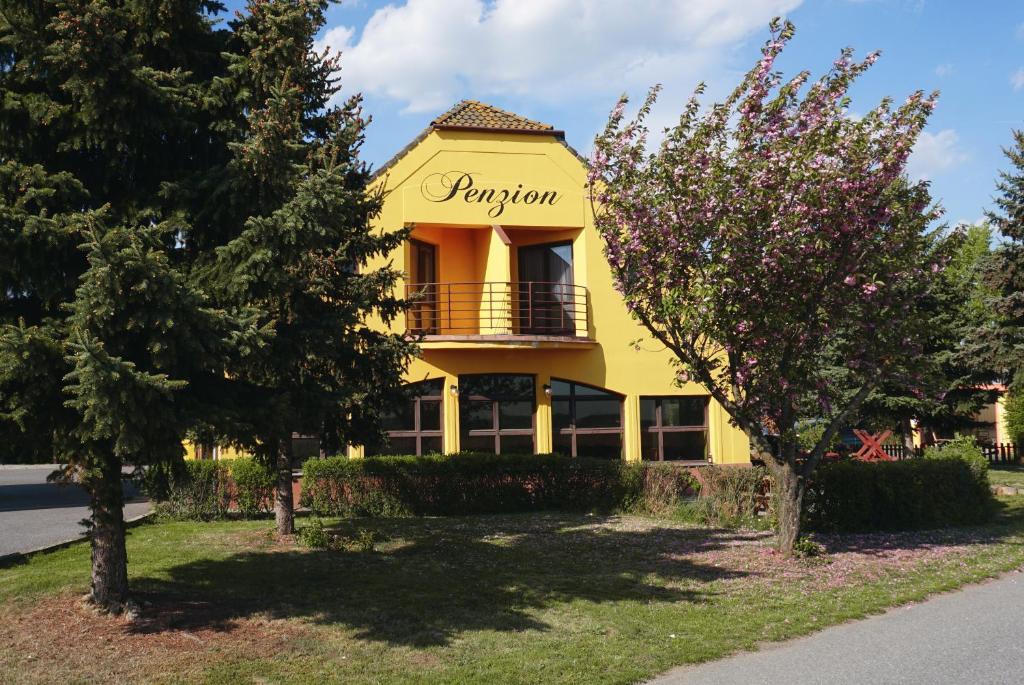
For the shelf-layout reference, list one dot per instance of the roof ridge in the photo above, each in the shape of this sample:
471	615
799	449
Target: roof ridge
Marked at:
481	115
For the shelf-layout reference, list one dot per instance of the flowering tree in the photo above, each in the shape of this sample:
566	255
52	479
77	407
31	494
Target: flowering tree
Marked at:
767	235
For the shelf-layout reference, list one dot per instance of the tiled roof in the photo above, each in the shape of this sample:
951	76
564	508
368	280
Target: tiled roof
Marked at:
473	114
478	116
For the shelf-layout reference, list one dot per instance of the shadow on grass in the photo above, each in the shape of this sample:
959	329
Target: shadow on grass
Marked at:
436	578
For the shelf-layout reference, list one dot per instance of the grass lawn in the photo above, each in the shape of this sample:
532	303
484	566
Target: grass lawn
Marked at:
1007	474
503	599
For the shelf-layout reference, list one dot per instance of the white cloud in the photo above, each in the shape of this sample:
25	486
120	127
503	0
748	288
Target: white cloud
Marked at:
424	54
1017	79
944	70
935	153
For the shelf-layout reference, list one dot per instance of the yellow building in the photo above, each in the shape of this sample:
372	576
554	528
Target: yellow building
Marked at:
526	346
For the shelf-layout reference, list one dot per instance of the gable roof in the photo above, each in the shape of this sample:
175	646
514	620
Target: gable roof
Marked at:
471	115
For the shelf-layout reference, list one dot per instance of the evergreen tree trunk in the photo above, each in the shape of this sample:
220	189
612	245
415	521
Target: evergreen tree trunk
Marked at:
284	512
790	485
109	589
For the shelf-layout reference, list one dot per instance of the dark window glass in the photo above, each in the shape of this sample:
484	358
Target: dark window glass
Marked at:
599	445
598	413
414	427
496	413
561	416
399	445
688	445
305	447
517	444
674	428
401	418
581	410
515	414
477	443
648	409
430	415
682	411
476	414
561	443
649	445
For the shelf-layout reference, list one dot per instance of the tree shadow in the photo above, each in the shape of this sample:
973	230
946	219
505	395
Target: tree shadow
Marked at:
436	578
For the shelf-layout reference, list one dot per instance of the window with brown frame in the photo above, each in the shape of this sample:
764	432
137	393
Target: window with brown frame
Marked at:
496	413
586	421
674	428
415	426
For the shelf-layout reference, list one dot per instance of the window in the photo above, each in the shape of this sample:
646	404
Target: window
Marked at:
546	295
674	428
423	312
586	421
496	413
415	426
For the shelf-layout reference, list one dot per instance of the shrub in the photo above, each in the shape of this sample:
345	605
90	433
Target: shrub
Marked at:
1015	412
964	448
856	496
253	483
663	489
197	490
733	496
314	535
486	483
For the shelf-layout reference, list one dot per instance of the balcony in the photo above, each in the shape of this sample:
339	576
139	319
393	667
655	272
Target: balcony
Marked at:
509	313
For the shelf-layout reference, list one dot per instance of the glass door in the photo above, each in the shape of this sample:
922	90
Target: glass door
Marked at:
546	289
423	279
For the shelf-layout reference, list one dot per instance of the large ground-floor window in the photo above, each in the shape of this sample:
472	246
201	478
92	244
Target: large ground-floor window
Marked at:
414	427
496	413
585	421
674	428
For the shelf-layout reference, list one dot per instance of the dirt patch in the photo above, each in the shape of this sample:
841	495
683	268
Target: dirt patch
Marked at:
62	639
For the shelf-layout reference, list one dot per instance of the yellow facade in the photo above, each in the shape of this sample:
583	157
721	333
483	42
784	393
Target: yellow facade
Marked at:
474	195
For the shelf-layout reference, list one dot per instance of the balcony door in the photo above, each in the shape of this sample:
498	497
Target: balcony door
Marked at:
546	291
423	287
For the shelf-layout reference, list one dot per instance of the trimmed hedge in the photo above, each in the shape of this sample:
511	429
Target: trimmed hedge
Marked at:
205	490
856	496
484	484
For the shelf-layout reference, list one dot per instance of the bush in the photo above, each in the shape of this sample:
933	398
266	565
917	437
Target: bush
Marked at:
856	496
203	490
485	484
1015	412
965	448
733	496
198	490
253	483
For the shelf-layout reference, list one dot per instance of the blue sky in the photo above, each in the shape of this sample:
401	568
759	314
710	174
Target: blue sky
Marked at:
565	62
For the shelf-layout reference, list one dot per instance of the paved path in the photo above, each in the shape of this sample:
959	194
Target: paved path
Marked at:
973	636
34	513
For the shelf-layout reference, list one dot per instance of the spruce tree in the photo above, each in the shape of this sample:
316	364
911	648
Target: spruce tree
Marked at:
106	351
1002	341
299	256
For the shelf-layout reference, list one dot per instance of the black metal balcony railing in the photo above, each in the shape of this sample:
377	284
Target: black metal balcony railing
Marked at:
497	308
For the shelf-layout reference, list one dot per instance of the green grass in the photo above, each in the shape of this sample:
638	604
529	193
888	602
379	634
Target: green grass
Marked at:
505	599
1007	474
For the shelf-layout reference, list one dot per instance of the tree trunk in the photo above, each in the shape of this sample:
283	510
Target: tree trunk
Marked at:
109	588
790	486
283	508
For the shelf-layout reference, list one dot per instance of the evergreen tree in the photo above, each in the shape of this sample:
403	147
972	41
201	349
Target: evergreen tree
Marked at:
943	386
106	352
300	252
1001	342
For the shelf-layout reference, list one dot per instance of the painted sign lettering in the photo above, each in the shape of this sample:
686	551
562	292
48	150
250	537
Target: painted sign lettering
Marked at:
456	185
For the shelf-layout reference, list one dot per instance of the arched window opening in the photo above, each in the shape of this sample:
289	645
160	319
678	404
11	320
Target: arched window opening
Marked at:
585	421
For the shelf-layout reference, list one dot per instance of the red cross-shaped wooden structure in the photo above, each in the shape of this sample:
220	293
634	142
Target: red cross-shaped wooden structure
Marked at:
872	450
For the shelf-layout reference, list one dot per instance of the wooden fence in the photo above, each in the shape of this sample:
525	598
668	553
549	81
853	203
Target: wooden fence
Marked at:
1004	453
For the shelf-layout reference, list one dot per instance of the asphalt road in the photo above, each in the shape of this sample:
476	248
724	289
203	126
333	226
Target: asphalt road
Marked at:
34	513
972	636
